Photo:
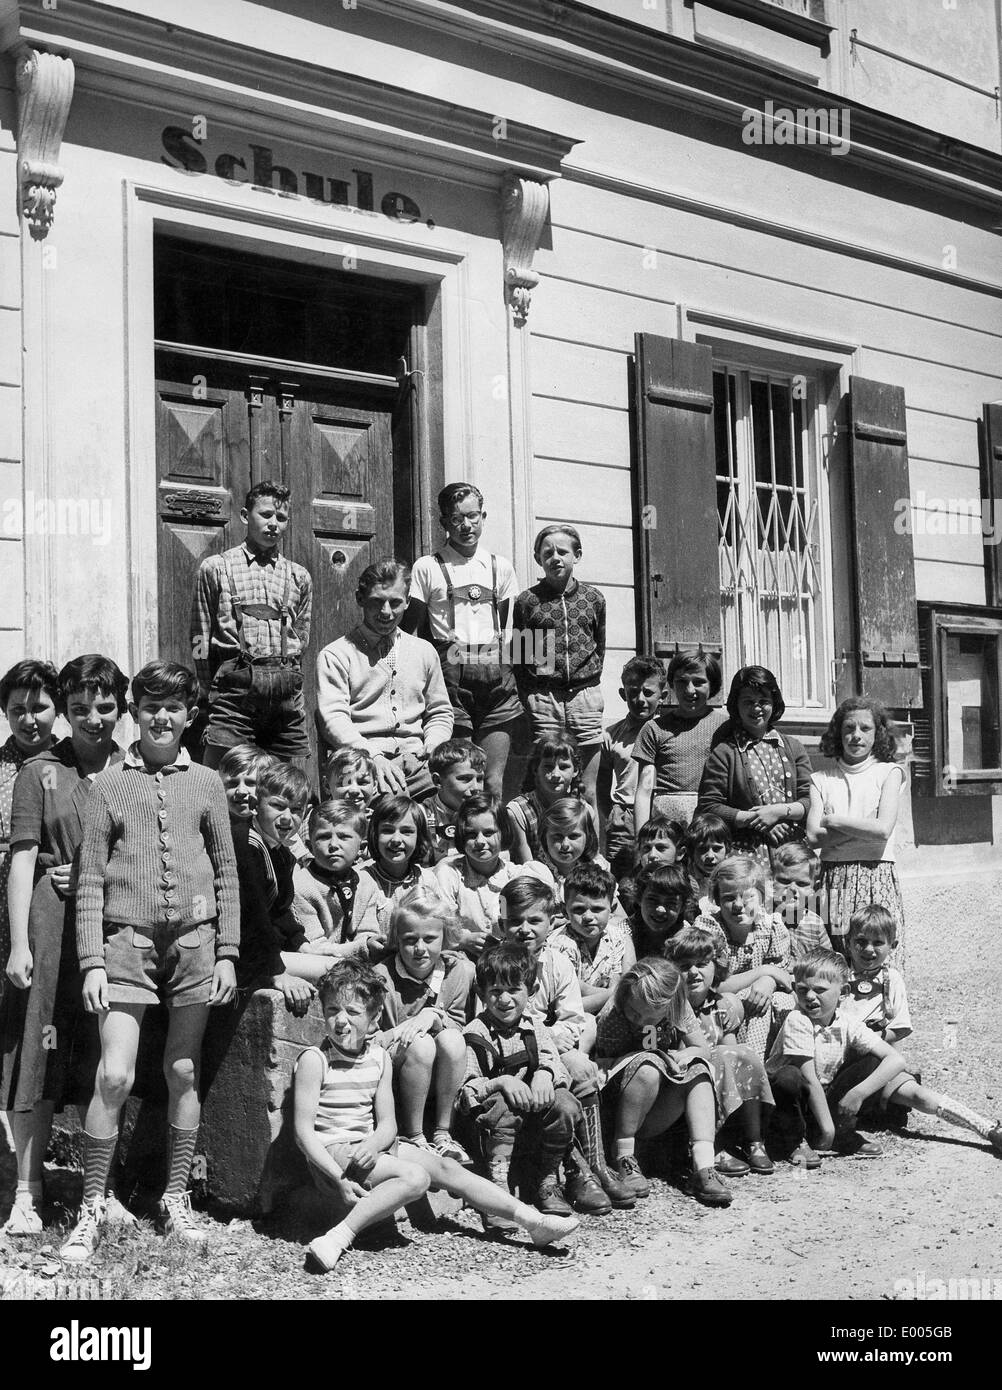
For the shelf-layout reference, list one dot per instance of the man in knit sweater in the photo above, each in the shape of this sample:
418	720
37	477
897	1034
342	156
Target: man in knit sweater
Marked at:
158	918
383	689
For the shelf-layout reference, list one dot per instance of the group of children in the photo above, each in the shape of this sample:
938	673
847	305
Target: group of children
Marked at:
498	994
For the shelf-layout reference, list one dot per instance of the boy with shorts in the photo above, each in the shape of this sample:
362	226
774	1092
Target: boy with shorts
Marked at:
463	597
250	624
346	1128
643	687
562	694
158	919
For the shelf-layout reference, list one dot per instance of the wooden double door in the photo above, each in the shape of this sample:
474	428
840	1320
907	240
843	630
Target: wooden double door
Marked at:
226	422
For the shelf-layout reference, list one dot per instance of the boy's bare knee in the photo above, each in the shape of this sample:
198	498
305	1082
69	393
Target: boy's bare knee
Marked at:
645	1081
114	1081
422	1050
417	1180
179	1074
451	1043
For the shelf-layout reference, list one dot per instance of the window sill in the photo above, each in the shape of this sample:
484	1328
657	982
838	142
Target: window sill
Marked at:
801	26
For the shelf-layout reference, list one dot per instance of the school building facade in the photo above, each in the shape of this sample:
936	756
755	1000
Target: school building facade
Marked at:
718	281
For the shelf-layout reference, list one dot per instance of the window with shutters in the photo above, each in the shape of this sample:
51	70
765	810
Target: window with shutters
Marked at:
772	513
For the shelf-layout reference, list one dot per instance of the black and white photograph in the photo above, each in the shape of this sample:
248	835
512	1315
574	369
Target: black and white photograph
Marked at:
501	664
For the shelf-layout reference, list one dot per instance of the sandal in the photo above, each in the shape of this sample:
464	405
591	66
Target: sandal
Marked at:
24	1220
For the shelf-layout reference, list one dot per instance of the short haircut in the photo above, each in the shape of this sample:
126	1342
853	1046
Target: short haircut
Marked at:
454	753
424	906
792	853
590	881
558	528
346	760
383	574
570	813
454	493
737	868
161	680
667	880
278	491
696	664
285	780
96	675
505	966
884	743
873	917
704	830
672	830
243	757
763	682
481	804
644	668
387	810
696	945
552	747
522	894
654	982
336	811
828	964
350	978
33	676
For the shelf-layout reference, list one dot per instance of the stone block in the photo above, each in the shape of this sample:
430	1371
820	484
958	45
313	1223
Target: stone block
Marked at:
246	1139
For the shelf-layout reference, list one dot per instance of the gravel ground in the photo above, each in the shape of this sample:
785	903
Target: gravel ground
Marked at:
929	1209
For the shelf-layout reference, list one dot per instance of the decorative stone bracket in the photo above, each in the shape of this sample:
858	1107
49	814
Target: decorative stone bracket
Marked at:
525	204
44	93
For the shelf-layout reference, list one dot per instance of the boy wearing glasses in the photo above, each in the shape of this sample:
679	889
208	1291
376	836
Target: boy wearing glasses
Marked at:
461	599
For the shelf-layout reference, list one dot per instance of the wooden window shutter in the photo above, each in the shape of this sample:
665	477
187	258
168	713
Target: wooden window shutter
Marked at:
678	579
991	492
887	639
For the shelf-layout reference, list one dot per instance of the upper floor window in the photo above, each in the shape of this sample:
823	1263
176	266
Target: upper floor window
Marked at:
775	570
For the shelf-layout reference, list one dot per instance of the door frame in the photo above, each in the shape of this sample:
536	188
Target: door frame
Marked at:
440	404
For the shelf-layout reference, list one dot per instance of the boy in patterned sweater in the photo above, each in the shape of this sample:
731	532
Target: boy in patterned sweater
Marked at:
158	919
562	694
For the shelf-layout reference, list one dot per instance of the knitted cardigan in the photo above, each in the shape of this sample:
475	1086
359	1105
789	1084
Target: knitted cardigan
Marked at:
726	786
123	879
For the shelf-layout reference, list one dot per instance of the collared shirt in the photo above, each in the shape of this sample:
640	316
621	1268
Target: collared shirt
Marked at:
472	578
827	1044
252	578
878	1000
134	758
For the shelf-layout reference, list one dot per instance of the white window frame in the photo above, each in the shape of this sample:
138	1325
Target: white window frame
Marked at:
816	433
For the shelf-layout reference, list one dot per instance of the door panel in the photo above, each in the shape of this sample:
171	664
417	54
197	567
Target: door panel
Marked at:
221	429
339	466
203	470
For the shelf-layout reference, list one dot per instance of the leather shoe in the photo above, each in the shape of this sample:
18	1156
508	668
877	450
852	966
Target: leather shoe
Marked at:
550	1200
731	1166
710	1189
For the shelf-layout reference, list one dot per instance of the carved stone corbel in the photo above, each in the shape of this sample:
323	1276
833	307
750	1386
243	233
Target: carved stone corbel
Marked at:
44	93
525	204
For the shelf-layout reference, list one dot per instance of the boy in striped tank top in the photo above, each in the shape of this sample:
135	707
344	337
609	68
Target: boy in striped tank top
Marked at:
346	1128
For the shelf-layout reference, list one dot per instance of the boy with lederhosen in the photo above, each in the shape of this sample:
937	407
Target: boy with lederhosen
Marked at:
250	624
461	600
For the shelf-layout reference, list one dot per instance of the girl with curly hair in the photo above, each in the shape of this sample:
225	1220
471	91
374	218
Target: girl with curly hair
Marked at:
853	815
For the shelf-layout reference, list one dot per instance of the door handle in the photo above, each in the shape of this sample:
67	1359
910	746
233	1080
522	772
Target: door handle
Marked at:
656	580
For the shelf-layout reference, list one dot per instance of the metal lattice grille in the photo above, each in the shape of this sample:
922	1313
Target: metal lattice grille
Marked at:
770	524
